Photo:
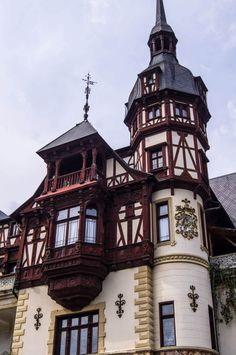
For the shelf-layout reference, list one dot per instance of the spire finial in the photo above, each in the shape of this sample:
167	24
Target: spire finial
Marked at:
160	13
87	93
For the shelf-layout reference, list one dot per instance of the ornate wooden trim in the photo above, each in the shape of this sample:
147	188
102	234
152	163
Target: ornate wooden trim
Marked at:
144	302
181	258
19	328
100	307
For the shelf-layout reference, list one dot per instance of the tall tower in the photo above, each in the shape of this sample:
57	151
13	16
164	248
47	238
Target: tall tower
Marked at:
167	115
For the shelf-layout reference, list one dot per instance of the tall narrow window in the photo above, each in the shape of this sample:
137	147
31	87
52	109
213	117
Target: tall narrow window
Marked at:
212	328
67	226
157	161
167	324
90	225
163	229
77	335
203	228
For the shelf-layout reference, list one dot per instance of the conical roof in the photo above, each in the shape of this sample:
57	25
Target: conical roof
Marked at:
81	130
161	23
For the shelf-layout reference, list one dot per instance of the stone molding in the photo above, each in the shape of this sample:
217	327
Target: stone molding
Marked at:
173	351
100	307
181	258
144	302
19	328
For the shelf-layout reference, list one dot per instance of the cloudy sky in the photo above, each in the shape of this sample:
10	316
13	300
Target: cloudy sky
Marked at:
48	46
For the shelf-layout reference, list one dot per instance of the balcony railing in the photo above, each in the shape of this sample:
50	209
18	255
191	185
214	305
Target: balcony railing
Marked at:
224	261
6	283
77	177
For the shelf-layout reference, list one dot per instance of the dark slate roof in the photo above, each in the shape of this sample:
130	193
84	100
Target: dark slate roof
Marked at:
81	130
161	23
3	216
173	76
224	188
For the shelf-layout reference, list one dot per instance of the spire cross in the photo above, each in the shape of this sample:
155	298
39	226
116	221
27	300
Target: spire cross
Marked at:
89	82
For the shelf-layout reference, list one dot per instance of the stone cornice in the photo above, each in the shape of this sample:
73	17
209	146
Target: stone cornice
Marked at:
181	258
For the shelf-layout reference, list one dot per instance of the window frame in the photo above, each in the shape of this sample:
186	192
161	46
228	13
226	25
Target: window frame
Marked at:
91	217
152	110
151	151
214	344
168	316
66	220
181	107
59	329
159	217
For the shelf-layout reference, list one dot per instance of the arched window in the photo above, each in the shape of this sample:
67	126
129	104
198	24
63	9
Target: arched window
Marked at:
90	225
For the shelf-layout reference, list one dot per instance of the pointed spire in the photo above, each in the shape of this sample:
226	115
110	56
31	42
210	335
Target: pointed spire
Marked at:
161	23
160	13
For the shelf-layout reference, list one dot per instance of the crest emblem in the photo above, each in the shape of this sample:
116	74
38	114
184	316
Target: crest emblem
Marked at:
186	220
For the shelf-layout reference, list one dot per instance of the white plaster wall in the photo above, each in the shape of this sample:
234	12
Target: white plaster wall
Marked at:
171	282
227	337
109	168
119	169
38	297
120	333
182	245
155	139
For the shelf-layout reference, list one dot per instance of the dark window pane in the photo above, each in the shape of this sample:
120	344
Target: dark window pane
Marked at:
95	340
168	309
158	112
83	341
163	210
168	332
63	343
73	342
91	212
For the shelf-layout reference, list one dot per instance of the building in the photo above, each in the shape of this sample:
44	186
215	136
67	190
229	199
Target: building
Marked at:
111	254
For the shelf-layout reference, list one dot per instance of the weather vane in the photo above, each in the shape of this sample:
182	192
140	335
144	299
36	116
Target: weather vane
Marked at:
89	82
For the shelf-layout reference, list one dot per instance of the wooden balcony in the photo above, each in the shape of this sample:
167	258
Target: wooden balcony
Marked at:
76	178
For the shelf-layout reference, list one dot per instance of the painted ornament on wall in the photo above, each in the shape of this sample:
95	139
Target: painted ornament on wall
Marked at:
186	220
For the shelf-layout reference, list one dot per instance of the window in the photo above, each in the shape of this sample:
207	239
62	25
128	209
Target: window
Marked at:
154	112
77	335
157	161
181	110
167	324
166	43
90	225
157	45
212	328
203	228
15	230
67	226
163	229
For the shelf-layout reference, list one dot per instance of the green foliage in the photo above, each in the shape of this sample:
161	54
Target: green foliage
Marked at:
224	291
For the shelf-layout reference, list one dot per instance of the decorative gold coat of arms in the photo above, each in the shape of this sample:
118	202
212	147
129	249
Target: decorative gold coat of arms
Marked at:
186	220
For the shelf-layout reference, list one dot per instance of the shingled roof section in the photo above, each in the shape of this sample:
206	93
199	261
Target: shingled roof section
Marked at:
3	216
81	130
224	188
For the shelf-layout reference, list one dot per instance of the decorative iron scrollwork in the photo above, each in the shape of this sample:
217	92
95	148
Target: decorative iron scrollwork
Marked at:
186	220
119	303
37	317
193	296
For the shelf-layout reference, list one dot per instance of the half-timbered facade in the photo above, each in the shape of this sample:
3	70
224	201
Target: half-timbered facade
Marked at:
111	254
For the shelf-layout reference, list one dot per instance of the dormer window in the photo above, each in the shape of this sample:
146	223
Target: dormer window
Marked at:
67	226
166	43
181	110
157	161
90	225
157	45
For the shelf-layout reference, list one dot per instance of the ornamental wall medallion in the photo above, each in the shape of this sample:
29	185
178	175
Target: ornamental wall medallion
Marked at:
186	220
